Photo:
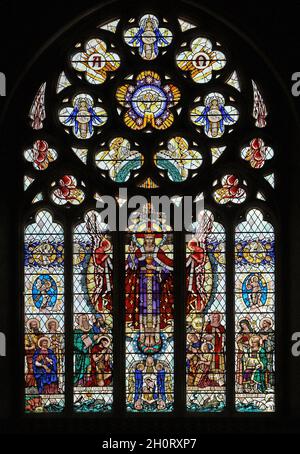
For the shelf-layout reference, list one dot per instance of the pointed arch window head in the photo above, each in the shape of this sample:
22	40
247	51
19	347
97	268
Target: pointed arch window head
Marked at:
154	104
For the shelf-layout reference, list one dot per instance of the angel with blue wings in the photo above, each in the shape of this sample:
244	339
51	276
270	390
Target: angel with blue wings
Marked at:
215	116
148	37
83	117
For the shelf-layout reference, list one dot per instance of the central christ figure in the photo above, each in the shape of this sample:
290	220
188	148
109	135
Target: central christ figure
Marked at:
149	288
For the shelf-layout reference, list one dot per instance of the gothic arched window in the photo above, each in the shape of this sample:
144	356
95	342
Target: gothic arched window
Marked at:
152	317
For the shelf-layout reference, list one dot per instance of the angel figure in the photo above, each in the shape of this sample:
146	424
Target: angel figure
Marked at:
149	37
150	383
83	117
102	263
215	115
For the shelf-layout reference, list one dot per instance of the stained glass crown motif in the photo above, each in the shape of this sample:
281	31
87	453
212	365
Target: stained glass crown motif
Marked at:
147	102
148	221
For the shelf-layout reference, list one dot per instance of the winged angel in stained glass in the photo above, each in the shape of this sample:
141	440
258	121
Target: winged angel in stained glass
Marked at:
214	115
197	264
83	116
101	263
148	37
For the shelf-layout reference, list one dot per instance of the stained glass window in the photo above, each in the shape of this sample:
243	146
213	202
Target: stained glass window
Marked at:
149	287
92	311
153	104
44	315
255	314
206	316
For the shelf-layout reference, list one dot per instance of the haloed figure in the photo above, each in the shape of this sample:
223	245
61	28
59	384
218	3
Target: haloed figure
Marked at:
255	291
31	344
149	37
152	268
45	368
